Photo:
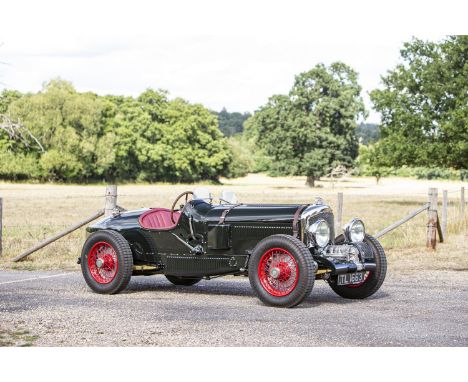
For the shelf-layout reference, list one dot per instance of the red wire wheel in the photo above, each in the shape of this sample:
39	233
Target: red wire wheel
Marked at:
278	272
357	285
103	263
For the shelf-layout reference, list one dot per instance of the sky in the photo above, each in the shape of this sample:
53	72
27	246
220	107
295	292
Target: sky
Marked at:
232	54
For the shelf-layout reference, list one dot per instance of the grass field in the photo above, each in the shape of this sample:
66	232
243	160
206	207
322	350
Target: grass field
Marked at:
33	212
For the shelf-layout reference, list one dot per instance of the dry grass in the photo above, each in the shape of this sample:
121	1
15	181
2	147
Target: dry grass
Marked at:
33	212
16	337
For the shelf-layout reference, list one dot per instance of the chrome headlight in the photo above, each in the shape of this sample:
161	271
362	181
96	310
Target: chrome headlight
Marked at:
319	232
355	231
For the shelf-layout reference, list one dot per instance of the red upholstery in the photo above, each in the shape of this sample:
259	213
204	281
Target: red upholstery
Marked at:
158	218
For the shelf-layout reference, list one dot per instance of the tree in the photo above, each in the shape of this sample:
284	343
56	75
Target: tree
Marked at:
231	123
424	106
243	161
187	147
368	133
311	130
86	137
7	97
67	124
373	162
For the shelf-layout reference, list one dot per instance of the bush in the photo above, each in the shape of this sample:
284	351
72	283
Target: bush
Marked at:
463	174
60	166
246	157
428	173
436	173
242	162
19	166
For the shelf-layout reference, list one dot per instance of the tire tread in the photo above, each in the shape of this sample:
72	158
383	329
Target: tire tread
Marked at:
298	295
125	264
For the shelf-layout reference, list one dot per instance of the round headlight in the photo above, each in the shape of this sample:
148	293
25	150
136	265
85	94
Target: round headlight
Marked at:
320	232
355	231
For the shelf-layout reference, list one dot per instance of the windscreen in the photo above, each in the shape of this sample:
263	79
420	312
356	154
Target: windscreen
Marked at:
202	193
228	197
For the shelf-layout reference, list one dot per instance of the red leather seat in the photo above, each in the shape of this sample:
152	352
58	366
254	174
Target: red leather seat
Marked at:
158	218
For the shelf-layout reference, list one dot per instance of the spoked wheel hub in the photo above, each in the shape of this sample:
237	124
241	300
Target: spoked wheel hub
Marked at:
278	272
281	272
103	262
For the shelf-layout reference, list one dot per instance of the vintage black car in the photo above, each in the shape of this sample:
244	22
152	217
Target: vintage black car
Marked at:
282	248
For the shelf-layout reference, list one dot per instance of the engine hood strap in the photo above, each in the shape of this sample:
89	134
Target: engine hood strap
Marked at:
226	211
295	224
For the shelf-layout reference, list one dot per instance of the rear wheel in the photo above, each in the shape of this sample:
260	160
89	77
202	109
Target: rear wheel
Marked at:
184	281
281	271
106	262
372	280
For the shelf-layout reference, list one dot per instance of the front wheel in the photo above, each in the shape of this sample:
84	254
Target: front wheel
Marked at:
281	271
106	262
372	280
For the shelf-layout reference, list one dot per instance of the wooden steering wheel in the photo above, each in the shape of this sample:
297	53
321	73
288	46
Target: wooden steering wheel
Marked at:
186	194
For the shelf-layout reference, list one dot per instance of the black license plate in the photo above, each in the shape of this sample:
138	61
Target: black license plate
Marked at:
350	278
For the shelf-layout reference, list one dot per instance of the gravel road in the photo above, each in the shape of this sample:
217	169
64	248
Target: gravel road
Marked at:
57	309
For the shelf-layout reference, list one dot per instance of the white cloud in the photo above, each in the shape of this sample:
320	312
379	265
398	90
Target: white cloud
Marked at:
232	53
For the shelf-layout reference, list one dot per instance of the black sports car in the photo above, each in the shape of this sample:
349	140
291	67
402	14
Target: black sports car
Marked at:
282	248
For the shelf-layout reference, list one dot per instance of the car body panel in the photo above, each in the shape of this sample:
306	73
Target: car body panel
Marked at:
226	246
211	240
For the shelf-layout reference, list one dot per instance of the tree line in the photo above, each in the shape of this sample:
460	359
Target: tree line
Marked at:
87	137
59	134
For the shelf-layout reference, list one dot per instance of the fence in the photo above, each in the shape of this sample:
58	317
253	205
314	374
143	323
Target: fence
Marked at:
436	223
109	208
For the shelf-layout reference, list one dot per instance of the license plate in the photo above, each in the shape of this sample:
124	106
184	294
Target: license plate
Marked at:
350	278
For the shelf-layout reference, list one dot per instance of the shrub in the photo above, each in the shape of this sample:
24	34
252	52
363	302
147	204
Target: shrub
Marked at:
242	162
435	173
19	166
428	173
60	166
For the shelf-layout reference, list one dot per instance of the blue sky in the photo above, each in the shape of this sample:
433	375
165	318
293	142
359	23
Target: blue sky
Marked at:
220	53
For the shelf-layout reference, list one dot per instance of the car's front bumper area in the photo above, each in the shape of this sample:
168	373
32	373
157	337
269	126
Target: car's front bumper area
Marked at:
345	258
337	269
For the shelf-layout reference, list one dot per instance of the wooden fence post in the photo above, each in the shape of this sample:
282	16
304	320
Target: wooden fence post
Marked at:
432	219
339	212
111	200
1	210
462	203
444	213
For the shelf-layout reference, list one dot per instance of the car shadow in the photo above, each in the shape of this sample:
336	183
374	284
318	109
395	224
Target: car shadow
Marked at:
204	287
328	296
318	296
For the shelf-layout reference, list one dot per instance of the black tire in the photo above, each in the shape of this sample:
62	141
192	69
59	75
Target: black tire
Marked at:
302	264
121	273
374	279
184	281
